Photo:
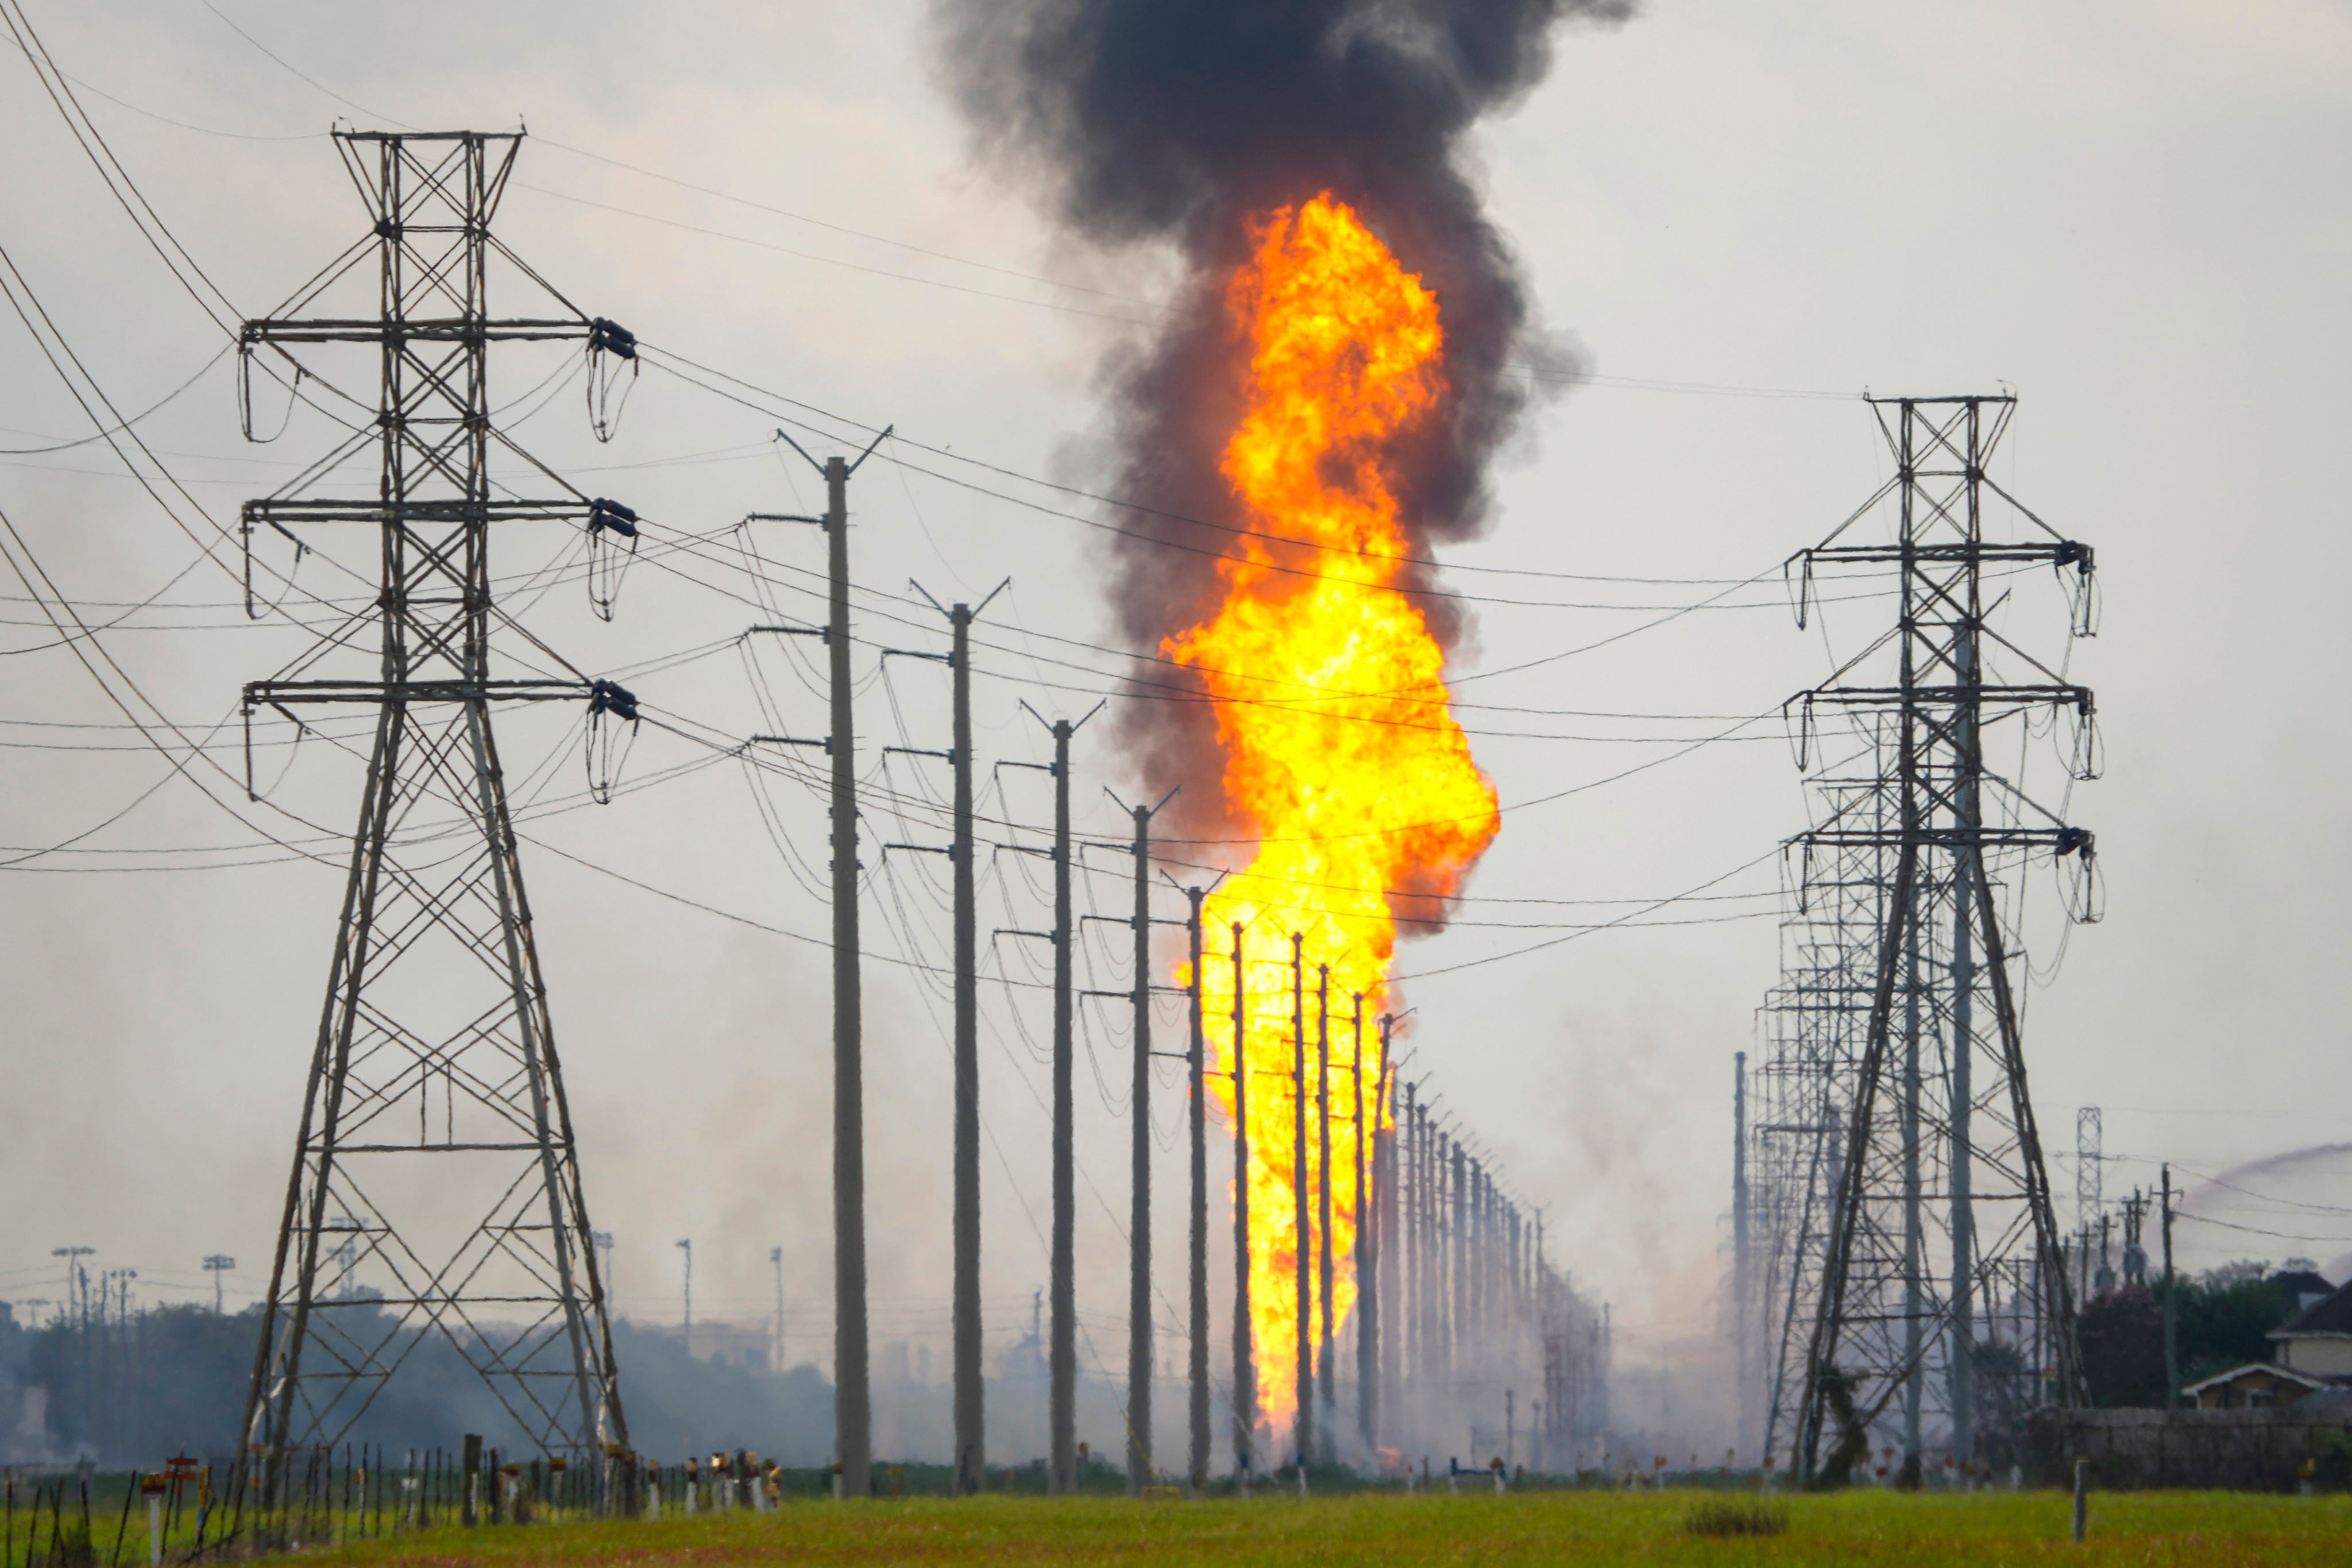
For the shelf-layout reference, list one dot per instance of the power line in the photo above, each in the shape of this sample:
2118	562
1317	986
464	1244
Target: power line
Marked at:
26	566
1534	372
218	354
104	167
1683	750
289	65
2256	1230
828	260
1136	686
184	125
839	228
658	354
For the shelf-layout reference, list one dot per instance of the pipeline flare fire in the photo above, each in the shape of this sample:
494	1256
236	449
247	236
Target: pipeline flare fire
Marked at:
1340	748
1333	375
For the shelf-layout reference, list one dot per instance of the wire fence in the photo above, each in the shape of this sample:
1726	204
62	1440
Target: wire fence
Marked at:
264	1504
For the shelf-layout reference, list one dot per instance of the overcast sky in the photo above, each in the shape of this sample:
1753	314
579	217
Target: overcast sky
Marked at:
2134	214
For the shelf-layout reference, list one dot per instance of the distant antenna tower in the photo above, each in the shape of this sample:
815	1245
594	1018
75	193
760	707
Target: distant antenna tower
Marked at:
434	1053
2088	1200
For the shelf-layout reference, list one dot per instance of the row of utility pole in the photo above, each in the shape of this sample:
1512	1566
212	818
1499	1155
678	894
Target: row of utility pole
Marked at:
1444	1256
853	1412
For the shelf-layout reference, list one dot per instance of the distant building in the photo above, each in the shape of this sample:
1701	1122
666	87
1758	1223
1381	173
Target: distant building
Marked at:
2317	1340
2303	1288
2311	1353
2257	1385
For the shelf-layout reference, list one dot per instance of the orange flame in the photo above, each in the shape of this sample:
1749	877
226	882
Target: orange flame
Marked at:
1340	746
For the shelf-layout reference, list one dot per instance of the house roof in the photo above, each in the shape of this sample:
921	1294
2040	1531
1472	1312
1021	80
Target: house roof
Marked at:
2284	1373
2298	1283
2331	1315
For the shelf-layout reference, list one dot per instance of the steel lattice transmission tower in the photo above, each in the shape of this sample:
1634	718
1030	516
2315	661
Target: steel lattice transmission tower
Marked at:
435	1132
1940	1300
1811	1029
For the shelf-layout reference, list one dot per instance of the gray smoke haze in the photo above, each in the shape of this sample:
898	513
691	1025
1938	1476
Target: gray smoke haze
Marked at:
1141	122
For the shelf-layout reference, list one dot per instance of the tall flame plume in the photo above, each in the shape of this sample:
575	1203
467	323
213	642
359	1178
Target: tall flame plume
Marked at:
1341	750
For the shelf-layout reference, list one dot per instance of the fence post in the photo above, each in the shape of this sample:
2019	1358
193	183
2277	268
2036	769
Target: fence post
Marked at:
471	1507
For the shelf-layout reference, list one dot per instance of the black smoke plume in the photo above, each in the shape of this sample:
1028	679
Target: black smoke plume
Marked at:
1181	121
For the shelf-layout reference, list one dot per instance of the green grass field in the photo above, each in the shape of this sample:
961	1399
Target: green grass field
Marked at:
1580	1528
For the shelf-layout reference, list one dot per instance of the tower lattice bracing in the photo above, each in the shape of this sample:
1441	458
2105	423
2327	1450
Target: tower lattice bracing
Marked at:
1911	1291
1810	1032
435	1146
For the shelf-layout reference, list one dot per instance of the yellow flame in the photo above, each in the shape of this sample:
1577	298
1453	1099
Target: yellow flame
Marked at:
1340	746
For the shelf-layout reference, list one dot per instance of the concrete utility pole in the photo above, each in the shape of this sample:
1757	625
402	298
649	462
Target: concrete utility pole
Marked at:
1490	1278
1740	1281
1062	1348
853	1407
1387	1322
1515	1236
1327	1419
216	1265
1498	1245
776	1259
1062	1351
1302	1247
1244	1363
1368	1272
1405	1267
1419	1350
1417	1249
1440	1336
971	1419
2171	1347
1475	1266
1437	1351
1138	1223
1492	1299
1197	1258
1481	1258
76	1279
1061	1341
1459	1341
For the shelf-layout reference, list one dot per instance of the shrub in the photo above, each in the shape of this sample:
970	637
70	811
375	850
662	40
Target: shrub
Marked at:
1737	1516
